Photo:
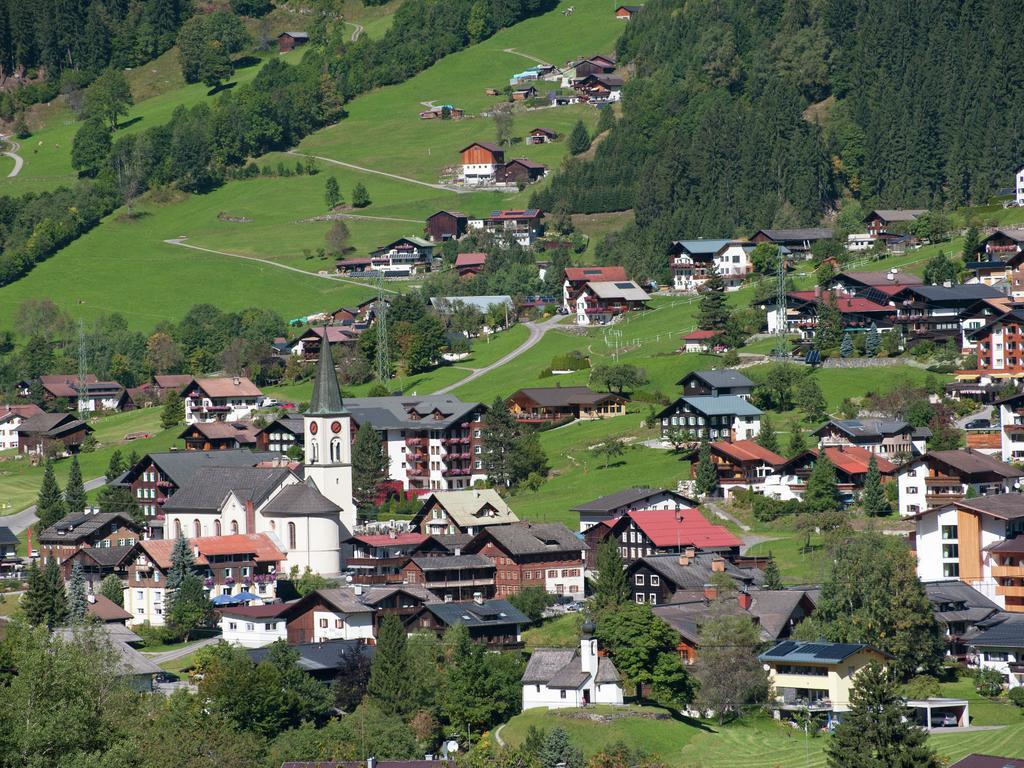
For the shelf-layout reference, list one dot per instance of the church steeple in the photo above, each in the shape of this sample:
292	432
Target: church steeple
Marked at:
326	400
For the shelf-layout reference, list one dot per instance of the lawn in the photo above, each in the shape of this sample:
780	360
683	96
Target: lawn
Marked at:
558	632
983	711
180	665
19	481
795	565
754	742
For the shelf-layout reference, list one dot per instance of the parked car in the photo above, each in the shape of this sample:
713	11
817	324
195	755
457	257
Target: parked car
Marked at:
979	424
945	721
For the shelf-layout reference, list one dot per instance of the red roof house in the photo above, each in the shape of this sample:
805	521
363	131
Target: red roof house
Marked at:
645	532
469	264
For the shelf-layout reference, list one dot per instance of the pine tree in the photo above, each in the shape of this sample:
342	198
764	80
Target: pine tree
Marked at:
74	491
610	586
707	473
49	503
182	565
797	442
332	193
369	467
500	439
173	412
558	752
113	589
971	243
846	347
873	499
579	139
829	332
360	196
389	678
76	594
876	733
821	495
772	576
45	602
767	438
714	312
873	342
115	467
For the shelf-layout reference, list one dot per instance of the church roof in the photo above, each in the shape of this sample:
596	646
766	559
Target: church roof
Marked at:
300	499
326	400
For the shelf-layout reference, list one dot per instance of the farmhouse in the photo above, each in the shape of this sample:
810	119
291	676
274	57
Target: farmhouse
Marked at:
563	677
88	529
403	257
940	478
656	579
470	264
507	226
627	12
94	396
880	221
541	136
601	302
287	41
796	240
599	88
446	225
546	555
11	418
709	417
713	383
231	398
56	434
521	171
544	405
622	502
481	162
219	435
644	532
496	624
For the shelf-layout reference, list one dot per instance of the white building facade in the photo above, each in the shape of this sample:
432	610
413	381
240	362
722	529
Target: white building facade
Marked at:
563	678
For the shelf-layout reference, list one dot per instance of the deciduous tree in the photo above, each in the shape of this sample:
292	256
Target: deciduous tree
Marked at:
728	669
108	98
113	589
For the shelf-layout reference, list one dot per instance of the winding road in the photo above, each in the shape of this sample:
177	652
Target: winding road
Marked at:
19	521
13	154
179	241
383	173
537	331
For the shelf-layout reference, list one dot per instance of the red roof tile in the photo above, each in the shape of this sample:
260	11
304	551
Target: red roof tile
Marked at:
700	335
854	460
843	303
748	450
470	259
159	550
600	274
681	527
383	540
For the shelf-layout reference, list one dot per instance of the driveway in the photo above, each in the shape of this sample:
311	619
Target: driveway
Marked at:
163	658
13	154
19	521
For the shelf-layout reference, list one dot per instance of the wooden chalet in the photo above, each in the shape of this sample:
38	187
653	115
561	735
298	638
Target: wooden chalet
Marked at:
446	225
656	579
87	529
521	171
524	94
454	577
1000	256
544	405
715	382
627	12
470	264
803	309
546	555
743	464
379	558
851	463
595	65
796	240
541	136
49	434
309	344
495	623
883	221
288	41
643	532
939	478
219	435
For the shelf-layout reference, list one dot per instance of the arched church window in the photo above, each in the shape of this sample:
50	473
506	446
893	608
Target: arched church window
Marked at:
335	450
197	529
234	526
216	527
291	536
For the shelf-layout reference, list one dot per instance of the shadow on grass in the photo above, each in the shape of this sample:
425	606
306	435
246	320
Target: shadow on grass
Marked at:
247	61
221	87
127	123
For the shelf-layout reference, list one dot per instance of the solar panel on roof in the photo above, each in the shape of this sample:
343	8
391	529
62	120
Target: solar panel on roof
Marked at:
623	285
783	648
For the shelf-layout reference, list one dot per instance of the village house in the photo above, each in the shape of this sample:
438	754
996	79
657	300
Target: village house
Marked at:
962	612
691	261
622	502
880	222
87	529
281	435
470	264
164	384
496	624
98	562
775	613
936	313
437	112
219	435
556	678
308	344
644	532
741	465
710	417
999	258
446	225
699	341
599	89
594	65
1001	648
877	286
540	136
356	318
508	226
65	392
444	306
576	279
157	476
378	558
940	478
546	555
452	577
228	565
816	677
8	545
885	437
546	405
851	464
601	302
288	41
795	240
521	171
655	579
1011	421
228	398
977	541
465	511
722	381
403	257
11	418
481	161
325	662
252	626
328	614
1000	348
803	309
52	434
627	12
433	442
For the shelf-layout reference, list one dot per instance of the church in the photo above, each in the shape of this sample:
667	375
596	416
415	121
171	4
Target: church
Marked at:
307	517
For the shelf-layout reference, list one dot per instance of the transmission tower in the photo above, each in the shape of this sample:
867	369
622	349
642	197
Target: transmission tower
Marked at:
782	346
83	365
383	353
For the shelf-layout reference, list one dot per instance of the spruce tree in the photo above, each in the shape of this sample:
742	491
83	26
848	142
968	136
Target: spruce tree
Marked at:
173	412
970	249
767	438
714	312
49	503
873	499
772	577
191	608
113	589
558	752
360	196
873	342
76	594
707	473
846	347
500	438
45	602
611	588
797	441
821	495
34	603
579	139
332	193
369	467
389	678
876	733
74	491
182	565
829	332
115	467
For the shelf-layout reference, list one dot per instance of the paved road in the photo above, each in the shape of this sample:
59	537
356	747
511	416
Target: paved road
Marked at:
988	412
537	331
13	154
383	173
163	658
19	521
179	241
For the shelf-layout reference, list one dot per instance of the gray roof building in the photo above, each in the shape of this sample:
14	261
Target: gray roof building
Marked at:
488	613
628	497
413	412
725	378
695	572
180	466
76	527
531	539
1005	634
301	499
207	488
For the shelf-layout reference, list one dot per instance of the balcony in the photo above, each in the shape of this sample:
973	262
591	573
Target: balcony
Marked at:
376	562
414	442
1009	591
1008	571
456	583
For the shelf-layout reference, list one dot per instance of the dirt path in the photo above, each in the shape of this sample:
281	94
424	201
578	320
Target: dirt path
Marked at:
178	241
358	217
383	173
537	331
514	52
357	31
13	154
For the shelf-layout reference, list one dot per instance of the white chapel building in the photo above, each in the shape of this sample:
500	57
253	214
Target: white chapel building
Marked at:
557	678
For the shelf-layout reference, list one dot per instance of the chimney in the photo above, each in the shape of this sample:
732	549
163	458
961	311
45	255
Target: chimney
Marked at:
392	534
684	560
195	551
447	598
371	762
357	589
710	592
236	381
250	517
817	291
691	552
478	598
745	600
718	565
458	551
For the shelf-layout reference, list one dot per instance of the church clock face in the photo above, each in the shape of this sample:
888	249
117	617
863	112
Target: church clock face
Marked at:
312	428
335	427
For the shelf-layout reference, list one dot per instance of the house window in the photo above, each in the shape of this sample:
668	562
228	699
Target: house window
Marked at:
951	570
562	693
177	529
156	576
291	536
638	579
271	626
950	551
949	532
911	489
652	598
234	526
999	656
216	527
640	597
246	570
232	625
249	627
655	581
323	623
338	623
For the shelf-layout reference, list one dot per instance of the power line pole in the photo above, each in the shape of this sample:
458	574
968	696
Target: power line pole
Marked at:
781	347
83	365
383	353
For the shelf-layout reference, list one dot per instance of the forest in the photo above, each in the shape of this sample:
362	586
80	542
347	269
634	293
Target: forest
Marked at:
743	115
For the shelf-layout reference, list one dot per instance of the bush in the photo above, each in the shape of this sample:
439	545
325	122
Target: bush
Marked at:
767	509
1017	695
921	687
646	396
571	361
988	683
156	635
